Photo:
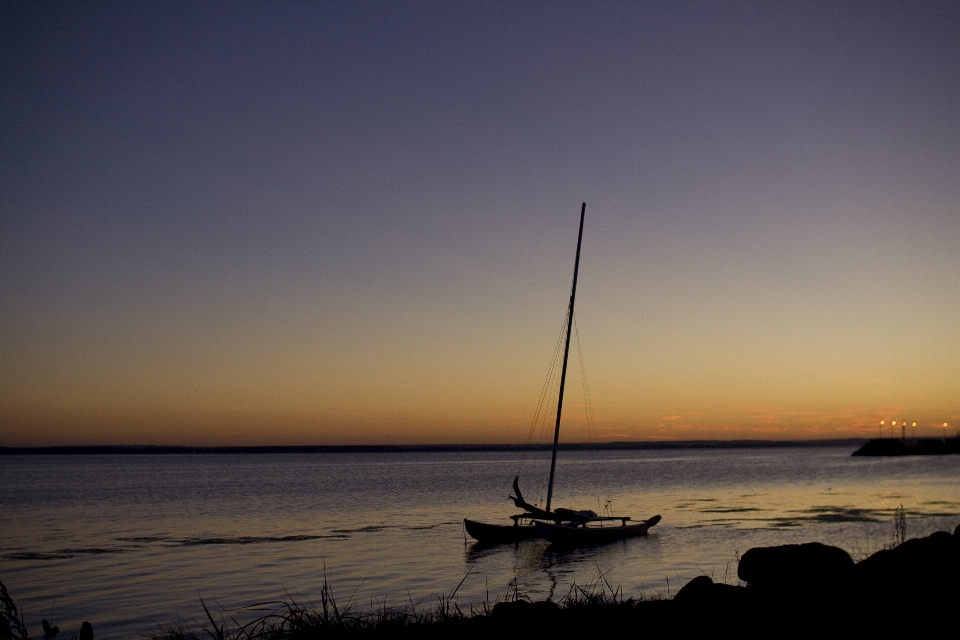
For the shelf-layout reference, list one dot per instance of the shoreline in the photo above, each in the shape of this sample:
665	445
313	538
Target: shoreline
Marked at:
429	448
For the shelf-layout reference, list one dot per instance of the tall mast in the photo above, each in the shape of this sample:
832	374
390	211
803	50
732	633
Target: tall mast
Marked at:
566	352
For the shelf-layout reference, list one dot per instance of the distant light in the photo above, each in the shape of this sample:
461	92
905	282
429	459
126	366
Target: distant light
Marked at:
914	424
894	423
881	422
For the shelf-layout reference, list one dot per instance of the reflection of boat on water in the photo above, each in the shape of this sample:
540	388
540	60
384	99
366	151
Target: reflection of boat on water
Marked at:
561	526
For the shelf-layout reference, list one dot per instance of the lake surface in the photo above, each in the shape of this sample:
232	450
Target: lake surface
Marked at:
132	542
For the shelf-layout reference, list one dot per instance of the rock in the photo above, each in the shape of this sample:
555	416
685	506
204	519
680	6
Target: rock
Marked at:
86	631
794	565
919	568
910	590
796	590
695	591
702	592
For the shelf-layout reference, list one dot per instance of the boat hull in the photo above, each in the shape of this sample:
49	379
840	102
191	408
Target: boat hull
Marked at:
577	536
499	533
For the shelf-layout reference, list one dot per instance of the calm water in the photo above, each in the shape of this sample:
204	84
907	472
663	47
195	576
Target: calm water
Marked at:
132	542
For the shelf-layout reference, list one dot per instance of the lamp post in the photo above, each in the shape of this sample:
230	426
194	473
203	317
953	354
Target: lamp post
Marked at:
881	429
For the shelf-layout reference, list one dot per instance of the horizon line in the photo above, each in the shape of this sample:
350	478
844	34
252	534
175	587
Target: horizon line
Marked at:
425	448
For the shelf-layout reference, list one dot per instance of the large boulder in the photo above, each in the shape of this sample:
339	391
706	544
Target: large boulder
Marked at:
919	569
794	565
919	580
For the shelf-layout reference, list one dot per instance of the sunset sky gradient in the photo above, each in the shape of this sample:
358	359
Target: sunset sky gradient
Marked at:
350	223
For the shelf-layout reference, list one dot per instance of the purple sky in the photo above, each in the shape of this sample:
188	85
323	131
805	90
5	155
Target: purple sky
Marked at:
355	222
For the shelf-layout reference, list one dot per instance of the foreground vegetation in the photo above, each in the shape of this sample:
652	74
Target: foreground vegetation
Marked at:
596	606
289	620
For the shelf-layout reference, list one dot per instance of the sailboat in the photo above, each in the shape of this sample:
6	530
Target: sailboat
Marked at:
559	526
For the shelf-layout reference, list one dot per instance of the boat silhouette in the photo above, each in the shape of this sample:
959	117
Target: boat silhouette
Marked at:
568	527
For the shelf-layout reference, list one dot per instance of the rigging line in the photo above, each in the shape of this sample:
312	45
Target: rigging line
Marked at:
588	409
588	399
543	392
549	404
546	428
547	385
549	408
586	403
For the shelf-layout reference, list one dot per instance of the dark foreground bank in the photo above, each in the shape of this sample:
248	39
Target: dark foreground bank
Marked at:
911	590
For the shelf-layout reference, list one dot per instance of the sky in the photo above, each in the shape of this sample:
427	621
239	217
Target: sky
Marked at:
355	222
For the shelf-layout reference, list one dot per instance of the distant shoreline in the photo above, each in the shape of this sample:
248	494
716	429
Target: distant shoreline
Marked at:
429	448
